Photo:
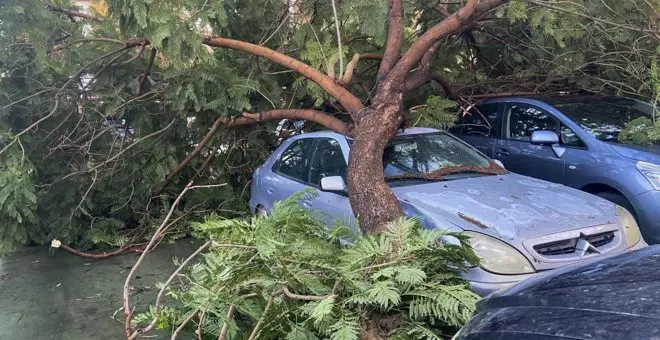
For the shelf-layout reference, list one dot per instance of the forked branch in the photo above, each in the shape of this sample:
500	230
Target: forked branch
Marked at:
342	95
472	11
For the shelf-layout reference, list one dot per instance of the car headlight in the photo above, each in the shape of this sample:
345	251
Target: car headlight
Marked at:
651	172
630	228
497	256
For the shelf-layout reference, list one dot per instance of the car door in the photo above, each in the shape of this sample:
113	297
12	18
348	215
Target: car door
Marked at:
329	159
291	171
517	152
579	162
479	127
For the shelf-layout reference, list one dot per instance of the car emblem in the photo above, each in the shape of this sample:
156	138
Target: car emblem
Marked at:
583	246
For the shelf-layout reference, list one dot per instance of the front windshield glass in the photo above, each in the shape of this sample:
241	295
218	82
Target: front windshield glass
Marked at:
428	154
605	118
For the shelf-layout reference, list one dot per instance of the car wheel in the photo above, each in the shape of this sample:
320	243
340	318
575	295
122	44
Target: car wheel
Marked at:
619	199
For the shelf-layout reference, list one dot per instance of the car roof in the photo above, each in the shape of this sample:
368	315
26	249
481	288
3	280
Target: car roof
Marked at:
553	99
405	132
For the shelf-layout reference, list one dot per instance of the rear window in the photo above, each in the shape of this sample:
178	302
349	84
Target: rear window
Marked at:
605	118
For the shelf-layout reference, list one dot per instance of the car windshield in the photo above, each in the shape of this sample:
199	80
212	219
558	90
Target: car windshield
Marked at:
605	118
432	156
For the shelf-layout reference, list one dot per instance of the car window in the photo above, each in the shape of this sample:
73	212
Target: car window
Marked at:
603	117
294	162
480	120
568	137
524	119
328	160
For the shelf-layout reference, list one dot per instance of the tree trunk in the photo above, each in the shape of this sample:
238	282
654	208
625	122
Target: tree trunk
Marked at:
370	196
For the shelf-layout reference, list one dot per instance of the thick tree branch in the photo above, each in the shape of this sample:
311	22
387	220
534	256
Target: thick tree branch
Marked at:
200	146
319	117
421	77
394	37
345	97
473	10
72	13
145	75
59	47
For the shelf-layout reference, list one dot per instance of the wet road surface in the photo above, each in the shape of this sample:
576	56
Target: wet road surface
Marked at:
68	297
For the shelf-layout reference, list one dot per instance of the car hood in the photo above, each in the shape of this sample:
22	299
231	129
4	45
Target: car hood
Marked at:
508	207
610	297
650	153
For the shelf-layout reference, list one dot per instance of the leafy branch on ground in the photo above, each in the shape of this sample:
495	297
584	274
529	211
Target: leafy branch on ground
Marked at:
320	283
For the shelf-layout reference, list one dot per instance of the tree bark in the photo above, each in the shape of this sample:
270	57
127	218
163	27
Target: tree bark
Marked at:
370	196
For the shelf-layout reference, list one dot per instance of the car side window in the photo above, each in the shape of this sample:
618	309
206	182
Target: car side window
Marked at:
524	119
480	120
294	162
328	160
568	137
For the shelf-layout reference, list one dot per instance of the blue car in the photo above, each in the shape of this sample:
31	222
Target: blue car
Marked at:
572	140
519	226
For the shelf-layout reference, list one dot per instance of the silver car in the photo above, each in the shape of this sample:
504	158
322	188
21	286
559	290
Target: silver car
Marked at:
519	226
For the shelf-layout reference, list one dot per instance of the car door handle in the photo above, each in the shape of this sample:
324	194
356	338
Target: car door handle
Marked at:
502	152
306	203
269	190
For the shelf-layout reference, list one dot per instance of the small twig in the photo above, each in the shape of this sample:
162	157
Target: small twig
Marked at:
126	149
80	41
257	327
341	57
184	323
290	295
200	325
114	315
152	324
225	326
98	256
127	311
137	55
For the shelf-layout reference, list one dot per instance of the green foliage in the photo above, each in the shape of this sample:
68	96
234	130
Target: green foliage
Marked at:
438	112
403	273
640	131
17	197
94	188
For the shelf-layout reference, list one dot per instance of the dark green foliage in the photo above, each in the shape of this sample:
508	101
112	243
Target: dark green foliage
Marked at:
438	112
83	183
403	273
641	131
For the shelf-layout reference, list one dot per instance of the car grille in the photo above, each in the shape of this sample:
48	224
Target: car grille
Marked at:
568	246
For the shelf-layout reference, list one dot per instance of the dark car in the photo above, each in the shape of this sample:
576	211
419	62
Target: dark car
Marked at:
616	297
572	140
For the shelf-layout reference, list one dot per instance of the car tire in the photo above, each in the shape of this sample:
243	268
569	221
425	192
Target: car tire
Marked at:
619	199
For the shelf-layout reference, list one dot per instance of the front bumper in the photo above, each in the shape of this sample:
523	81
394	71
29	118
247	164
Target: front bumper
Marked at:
483	283
647	209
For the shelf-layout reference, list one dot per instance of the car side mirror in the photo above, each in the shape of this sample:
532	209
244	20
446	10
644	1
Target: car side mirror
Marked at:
333	184
499	163
544	137
548	138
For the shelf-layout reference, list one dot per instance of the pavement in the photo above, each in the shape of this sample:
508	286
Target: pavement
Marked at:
64	296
